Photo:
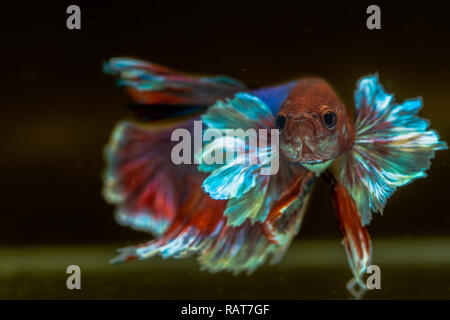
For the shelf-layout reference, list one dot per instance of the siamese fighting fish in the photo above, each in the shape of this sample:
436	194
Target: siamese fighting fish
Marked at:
236	213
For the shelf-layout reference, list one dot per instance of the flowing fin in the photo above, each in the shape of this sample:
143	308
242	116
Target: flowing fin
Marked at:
241	180
153	195
246	246
251	195
202	224
140	178
243	111
159	92
197	221
293	193
200	227
356	239
393	147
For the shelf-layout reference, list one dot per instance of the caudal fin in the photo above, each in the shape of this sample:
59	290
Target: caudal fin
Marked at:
158	92
140	178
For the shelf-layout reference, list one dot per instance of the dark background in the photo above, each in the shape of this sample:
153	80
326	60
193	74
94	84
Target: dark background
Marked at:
58	108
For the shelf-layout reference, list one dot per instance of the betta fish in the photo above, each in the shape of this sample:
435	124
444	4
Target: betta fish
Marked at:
230	214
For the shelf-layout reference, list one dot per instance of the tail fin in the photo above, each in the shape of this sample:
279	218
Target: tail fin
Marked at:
158	92
226	226
140	178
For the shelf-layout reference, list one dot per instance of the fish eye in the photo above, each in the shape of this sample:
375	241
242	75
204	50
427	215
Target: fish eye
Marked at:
280	121
330	119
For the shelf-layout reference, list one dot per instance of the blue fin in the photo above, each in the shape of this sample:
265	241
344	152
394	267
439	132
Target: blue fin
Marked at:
393	147
274	97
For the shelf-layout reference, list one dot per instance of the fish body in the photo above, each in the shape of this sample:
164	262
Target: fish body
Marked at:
232	214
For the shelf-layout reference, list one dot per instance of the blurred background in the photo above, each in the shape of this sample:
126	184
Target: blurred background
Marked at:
58	109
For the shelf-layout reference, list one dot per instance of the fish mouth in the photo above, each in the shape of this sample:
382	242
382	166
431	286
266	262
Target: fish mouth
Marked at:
315	162
299	140
303	142
317	166
301	151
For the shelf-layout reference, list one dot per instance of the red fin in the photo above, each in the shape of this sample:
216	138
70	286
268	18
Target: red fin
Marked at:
198	219
356	238
287	198
200	227
140	177
150	84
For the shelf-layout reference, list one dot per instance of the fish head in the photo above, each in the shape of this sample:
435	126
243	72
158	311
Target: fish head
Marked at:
315	127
